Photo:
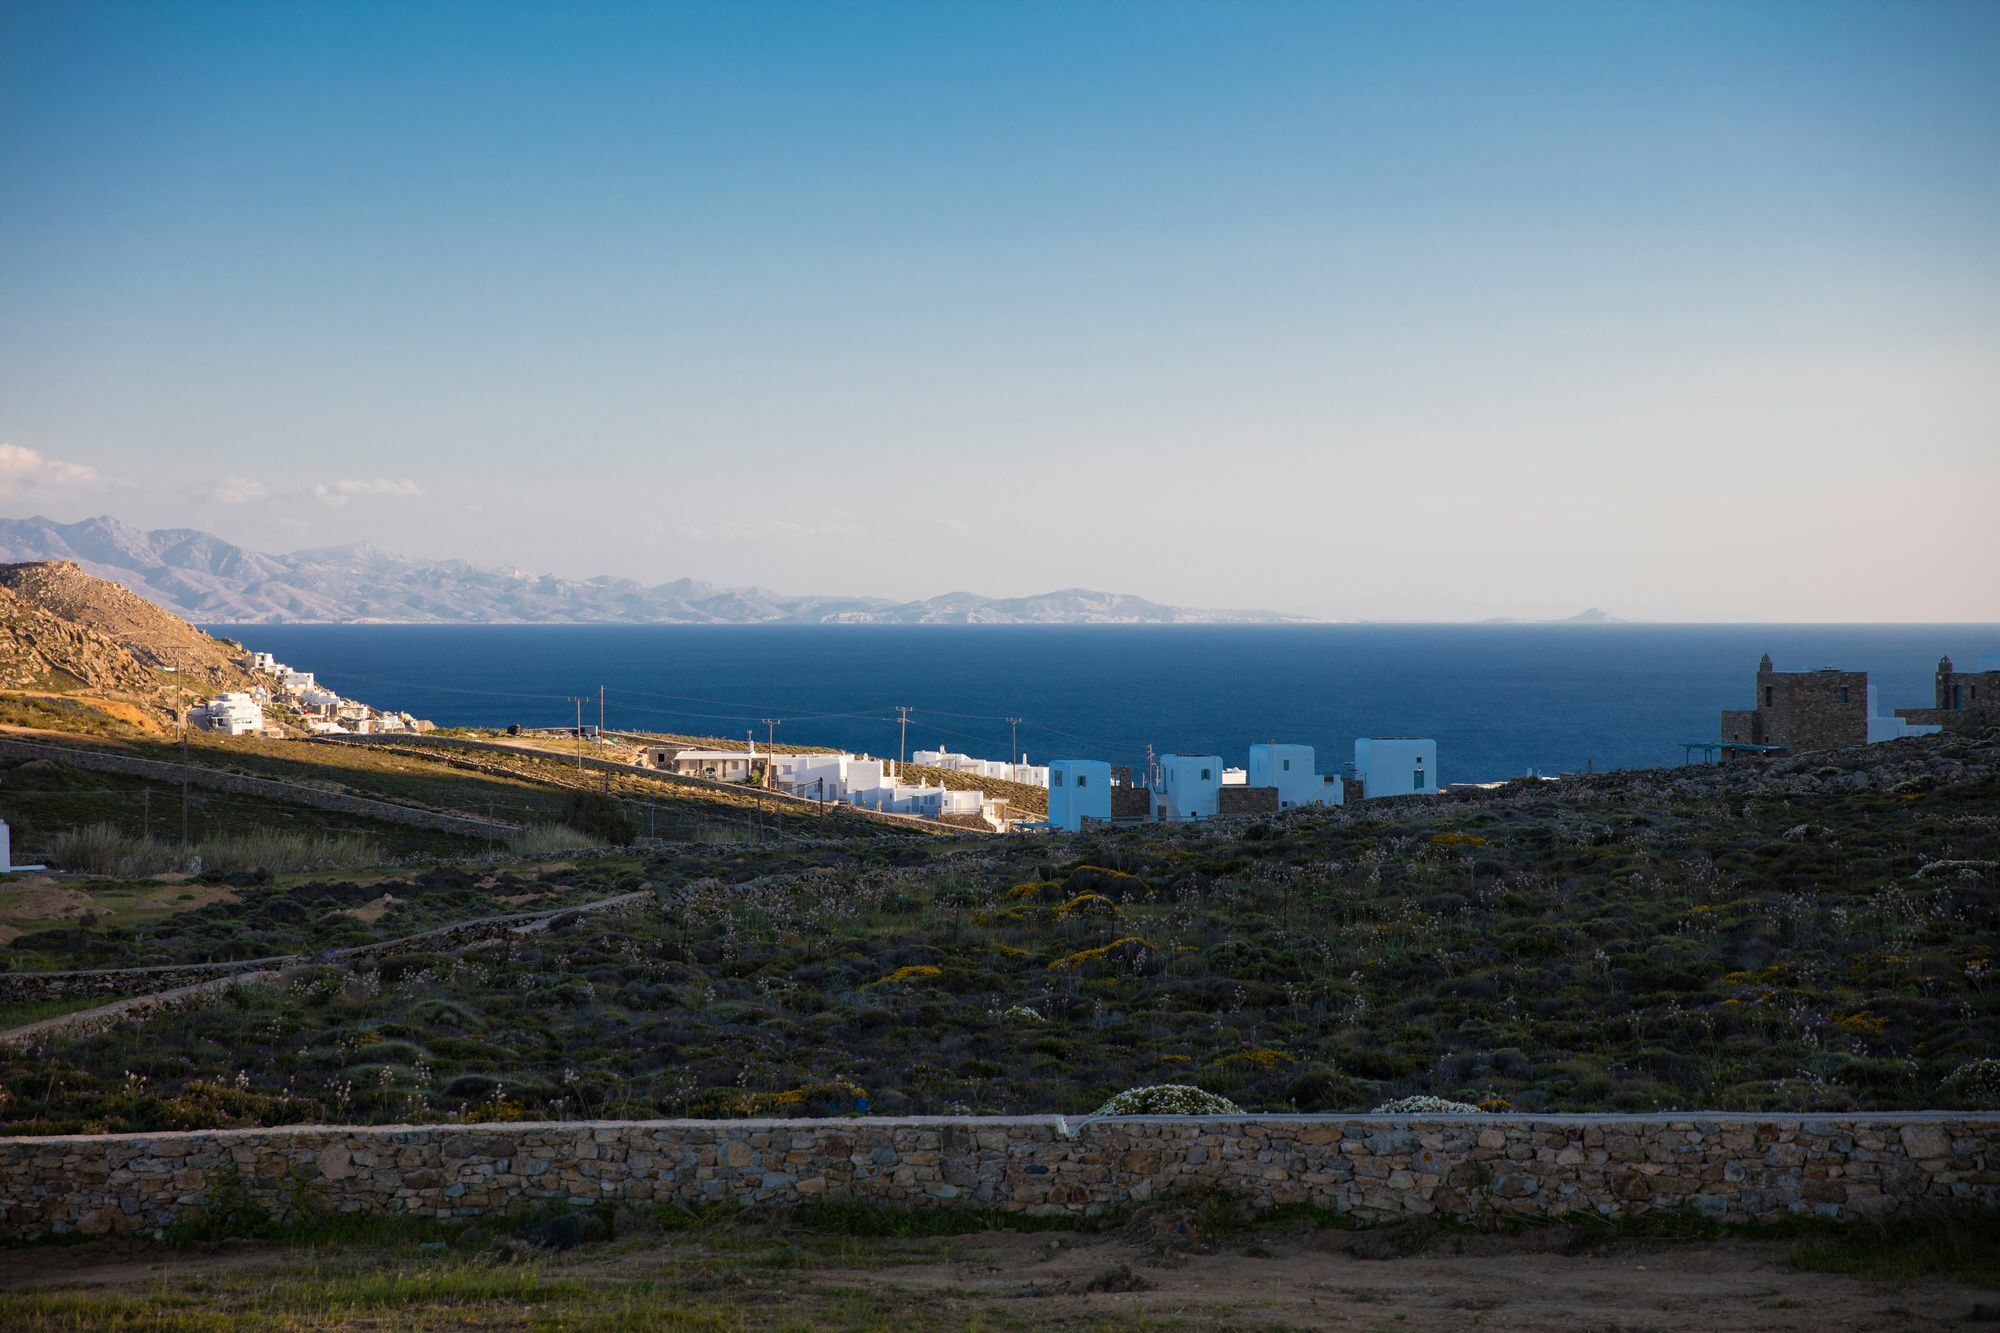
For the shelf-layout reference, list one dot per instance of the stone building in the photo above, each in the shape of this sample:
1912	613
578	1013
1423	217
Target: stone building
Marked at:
1966	701
1801	711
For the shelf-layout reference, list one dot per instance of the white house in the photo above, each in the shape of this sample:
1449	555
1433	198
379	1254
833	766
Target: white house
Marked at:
265	662
1395	766
820	776
720	765
1289	768
7	851
297	682
232	714
1188	786
1893	728
1079	789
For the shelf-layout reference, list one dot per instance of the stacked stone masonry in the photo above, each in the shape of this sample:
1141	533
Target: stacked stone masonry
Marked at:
106	761
1376	1168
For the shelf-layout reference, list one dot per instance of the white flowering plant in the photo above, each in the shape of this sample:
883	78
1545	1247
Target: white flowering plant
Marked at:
1425	1106
1168	1099
1976	1083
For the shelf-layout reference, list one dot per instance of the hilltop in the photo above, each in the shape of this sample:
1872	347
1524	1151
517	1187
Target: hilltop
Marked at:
208	579
65	632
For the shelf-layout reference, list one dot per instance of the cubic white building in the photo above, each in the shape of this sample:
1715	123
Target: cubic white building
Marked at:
1893	728
231	714
1395	766
1079	789
1289	768
1188	786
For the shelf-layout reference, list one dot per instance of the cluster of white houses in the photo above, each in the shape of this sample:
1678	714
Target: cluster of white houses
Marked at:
1032	775
241	713
847	779
1197	786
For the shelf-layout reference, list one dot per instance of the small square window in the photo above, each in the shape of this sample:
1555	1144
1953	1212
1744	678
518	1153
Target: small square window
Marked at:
1083	779
1288	765
1204	775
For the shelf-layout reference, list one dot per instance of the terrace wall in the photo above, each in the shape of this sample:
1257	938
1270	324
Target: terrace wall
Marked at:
1734	1167
109	761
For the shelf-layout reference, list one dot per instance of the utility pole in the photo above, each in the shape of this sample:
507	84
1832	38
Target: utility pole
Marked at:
770	748
600	735
1013	740
903	747
578	701
181	710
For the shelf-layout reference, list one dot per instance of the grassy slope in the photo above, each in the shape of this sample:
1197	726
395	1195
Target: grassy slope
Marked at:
1632	942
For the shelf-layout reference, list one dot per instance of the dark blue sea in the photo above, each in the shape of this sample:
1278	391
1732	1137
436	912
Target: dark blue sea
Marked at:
1500	700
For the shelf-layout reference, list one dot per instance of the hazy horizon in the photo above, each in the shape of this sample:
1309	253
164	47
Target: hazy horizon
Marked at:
1422	313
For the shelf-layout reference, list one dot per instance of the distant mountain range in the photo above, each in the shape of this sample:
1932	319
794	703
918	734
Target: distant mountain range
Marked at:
1591	617
208	580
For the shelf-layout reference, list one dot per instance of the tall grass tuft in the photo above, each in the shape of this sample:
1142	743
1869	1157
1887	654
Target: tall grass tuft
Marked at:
537	839
105	849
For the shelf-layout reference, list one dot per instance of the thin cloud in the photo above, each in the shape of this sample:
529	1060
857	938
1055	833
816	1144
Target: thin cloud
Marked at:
24	471
340	492
237	491
781	530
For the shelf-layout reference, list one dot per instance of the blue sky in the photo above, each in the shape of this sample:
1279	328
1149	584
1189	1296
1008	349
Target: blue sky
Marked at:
1426	310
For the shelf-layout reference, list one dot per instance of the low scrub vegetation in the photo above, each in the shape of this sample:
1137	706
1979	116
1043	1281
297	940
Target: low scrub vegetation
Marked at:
1633	942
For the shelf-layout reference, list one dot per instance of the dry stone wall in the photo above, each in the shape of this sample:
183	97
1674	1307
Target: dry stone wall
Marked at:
106	761
1739	1168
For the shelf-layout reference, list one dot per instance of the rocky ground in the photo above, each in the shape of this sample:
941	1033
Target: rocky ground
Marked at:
1149	1273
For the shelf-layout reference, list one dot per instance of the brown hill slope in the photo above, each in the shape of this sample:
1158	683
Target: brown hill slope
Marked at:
66	632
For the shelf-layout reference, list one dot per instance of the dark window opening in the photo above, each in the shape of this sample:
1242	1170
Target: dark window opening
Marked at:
1767	696
1843	694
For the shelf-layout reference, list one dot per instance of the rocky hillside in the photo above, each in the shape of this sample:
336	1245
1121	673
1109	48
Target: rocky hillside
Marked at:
207	579
63	631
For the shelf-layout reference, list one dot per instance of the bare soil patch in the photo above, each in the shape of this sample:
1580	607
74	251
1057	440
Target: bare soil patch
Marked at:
1303	1279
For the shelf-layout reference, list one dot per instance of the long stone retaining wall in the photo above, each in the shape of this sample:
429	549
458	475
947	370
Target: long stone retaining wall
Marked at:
778	799
174	985
26	987
106	761
1730	1167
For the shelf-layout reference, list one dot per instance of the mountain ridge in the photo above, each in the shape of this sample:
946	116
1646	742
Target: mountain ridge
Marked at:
210	580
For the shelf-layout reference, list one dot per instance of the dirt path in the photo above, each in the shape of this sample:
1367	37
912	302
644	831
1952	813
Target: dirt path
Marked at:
1304	1279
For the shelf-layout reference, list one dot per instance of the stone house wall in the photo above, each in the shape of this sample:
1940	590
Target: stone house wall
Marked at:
1803	711
1246	801
1735	1167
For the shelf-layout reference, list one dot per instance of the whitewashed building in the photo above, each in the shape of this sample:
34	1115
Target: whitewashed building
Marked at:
1893	728
231	714
1395	766
1079	789
718	765
1188	788
1289	768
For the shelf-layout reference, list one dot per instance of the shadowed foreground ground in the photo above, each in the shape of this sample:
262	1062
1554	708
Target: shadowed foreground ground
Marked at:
1158	1269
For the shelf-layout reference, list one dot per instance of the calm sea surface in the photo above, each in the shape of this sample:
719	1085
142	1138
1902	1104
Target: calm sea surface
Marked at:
1499	699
